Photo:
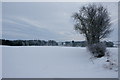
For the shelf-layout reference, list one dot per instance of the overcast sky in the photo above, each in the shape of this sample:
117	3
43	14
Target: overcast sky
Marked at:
48	20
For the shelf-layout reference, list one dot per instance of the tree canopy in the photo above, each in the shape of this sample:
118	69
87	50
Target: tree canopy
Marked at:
93	21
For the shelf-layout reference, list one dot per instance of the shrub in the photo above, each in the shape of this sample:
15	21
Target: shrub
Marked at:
98	50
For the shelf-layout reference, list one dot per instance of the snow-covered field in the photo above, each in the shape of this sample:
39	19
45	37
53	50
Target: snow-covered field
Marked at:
54	62
0	62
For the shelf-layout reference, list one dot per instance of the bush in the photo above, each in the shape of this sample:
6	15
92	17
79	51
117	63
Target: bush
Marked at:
98	50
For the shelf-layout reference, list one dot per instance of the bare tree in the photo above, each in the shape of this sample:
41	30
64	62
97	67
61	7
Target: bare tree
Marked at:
93	21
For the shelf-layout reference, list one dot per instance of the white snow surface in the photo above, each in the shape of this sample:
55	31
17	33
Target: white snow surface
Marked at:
54	62
0	62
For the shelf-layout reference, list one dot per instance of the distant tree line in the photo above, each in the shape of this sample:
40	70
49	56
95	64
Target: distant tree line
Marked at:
73	43
29	42
48	43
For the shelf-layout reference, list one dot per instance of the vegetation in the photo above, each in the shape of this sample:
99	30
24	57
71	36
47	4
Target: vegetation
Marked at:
94	23
48	43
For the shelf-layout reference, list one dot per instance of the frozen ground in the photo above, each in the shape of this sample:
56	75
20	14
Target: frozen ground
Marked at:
54	62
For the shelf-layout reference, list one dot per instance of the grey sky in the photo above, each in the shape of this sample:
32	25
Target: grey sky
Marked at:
47	20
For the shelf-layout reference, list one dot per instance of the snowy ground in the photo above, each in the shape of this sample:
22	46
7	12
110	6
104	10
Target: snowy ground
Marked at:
0	62
54	62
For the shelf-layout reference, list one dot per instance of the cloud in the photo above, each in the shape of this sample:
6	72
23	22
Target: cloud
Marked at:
15	27
47	20
114	21
29	21
26	29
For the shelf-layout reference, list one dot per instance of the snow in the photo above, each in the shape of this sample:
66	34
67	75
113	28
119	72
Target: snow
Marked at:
54	62
0	63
